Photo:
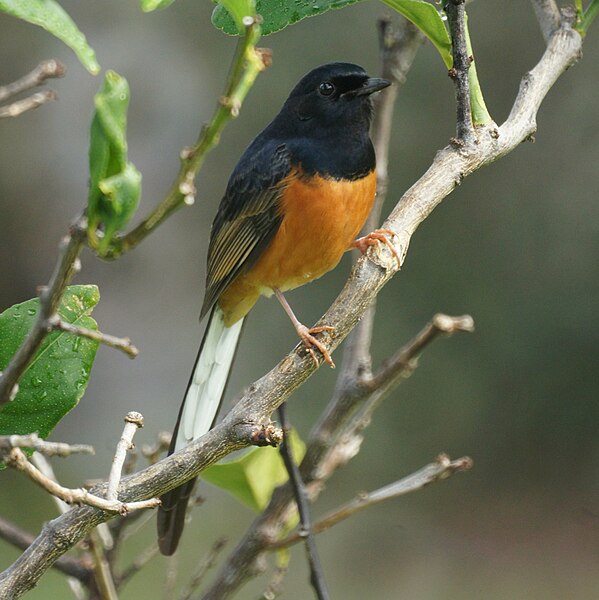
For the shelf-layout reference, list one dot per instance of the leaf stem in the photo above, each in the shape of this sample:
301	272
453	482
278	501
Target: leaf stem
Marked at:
588	17
248	63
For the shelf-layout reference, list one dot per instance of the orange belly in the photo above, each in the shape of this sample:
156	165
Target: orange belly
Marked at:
321	218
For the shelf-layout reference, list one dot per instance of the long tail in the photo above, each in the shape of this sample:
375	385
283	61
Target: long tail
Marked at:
198	411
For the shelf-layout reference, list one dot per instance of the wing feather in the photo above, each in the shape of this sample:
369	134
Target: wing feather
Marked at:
248	216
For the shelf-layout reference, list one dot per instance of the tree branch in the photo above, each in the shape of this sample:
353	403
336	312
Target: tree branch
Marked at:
18	107
21	539
248	63
317	578
8	442
548	16
67	266
442	468
456	17
48	69
368	277
133	421
17	459
55	323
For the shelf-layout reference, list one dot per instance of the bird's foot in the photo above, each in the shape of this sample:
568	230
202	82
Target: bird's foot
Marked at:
375	237
310	342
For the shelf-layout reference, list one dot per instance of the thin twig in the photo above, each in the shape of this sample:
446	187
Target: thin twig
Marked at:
152	453
441	469
43	464
133	421
403	359
48	69
17	459
66	267
55	323
138	564
317	578
205	565
102	568
449	167
456	17
170	580
20	106
248	63
32	440
275	585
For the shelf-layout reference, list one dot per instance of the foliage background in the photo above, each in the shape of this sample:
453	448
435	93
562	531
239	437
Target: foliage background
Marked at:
516	246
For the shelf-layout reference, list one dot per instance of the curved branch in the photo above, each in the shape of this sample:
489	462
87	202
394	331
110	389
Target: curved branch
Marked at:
252	412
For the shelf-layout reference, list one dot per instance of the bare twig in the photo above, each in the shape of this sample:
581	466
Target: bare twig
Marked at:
248	63
442	468
138	564
205	565
48	69
456	17
32	440
55	323
253	409
402	360
102	569
172	566
548	16
153	453
133	421
275	585
17	459
20	106
317	578
50	296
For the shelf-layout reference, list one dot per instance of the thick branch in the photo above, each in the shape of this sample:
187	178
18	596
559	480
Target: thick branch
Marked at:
548	16
449	167
22	540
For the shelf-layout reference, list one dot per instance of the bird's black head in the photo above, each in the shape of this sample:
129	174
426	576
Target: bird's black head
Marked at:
333	95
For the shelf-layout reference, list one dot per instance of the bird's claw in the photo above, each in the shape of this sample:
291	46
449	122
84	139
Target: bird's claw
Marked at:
310	342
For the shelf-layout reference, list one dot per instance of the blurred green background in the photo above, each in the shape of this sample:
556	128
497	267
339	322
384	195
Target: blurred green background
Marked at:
516	246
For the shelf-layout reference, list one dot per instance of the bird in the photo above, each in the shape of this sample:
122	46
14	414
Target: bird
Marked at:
294	203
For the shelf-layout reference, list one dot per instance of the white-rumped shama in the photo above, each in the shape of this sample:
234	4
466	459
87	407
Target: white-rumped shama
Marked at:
294	204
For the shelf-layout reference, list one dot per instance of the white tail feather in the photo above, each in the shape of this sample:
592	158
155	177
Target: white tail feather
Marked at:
210	375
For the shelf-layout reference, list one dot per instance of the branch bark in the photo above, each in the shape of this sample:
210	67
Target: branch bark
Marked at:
66	267
253	410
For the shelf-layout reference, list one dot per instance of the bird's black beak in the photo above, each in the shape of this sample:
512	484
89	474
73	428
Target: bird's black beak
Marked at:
371	85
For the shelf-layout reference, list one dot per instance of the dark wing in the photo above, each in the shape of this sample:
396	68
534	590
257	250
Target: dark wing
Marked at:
248	216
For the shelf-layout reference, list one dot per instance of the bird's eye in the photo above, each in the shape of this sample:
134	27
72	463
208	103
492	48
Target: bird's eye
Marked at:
326	88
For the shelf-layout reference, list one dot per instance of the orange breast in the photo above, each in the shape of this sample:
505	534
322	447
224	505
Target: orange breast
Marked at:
321	218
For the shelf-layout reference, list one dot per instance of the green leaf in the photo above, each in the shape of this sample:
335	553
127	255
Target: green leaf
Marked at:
277	14
252	478
237	10
53	18
427	18
150	5
115	184
57	377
